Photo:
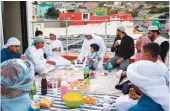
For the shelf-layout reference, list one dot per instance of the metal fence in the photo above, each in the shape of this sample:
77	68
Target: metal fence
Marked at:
73	41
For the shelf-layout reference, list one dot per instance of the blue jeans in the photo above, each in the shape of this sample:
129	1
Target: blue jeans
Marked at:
123	65
92	64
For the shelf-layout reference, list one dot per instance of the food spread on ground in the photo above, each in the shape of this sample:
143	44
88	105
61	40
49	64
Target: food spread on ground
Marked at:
43	103
46	102
35	105
80	84
89	100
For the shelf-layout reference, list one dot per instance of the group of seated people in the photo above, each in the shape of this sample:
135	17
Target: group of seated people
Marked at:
149	74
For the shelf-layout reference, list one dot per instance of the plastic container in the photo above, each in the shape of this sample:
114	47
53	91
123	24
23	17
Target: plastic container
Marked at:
73	99
106	107
44	85
54	84
86	72
64	87
109	69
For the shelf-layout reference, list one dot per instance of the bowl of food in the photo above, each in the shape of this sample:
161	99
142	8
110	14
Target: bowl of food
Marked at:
73	99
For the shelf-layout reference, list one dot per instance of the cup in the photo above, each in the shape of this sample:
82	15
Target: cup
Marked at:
106	99
23	56
106	107
119	41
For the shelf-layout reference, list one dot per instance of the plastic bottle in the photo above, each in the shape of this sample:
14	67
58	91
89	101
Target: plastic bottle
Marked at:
44	85
86	72
64	87
54	83
109	69
72	62
106	104
33	90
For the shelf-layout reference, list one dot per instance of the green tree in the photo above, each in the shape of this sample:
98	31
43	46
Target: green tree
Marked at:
141	6
70	10
153	7
101	4
165	9
35	3
134	13
162	17
52	13
153	10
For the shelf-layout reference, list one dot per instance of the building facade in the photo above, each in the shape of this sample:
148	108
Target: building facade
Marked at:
41	9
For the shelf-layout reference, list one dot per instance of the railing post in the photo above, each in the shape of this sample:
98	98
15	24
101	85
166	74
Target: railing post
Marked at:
66	36
106	35
33	29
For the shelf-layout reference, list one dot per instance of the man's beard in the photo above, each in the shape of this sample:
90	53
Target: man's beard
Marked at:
152	38
117	35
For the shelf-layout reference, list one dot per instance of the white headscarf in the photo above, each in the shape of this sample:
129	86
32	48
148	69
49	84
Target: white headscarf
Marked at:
12	41
147	77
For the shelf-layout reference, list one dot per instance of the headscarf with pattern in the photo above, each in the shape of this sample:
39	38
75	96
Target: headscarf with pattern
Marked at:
16	80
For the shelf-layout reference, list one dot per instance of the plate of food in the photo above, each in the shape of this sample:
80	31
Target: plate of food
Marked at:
79	85
89	100
44	102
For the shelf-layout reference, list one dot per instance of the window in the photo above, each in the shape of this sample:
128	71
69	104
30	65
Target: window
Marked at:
85	16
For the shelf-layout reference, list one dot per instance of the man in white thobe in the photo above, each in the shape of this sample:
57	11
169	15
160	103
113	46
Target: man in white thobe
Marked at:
91	39
35	54
54	50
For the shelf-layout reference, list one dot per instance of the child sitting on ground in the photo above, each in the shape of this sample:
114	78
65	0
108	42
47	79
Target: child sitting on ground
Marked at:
92	58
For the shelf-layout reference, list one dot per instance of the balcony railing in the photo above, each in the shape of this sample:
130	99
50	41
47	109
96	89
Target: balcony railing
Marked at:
72	35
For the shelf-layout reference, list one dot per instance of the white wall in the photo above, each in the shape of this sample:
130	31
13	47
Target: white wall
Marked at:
12	21
1	26
29	20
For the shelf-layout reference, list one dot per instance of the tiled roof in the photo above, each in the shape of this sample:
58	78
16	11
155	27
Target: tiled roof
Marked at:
89	4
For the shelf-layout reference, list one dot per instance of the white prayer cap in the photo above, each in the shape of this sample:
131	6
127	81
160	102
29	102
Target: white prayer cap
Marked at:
87	33
52	33
122	28
38	39
146	75
12	41
153	27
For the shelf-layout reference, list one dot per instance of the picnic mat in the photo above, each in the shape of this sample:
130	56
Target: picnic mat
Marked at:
58	103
